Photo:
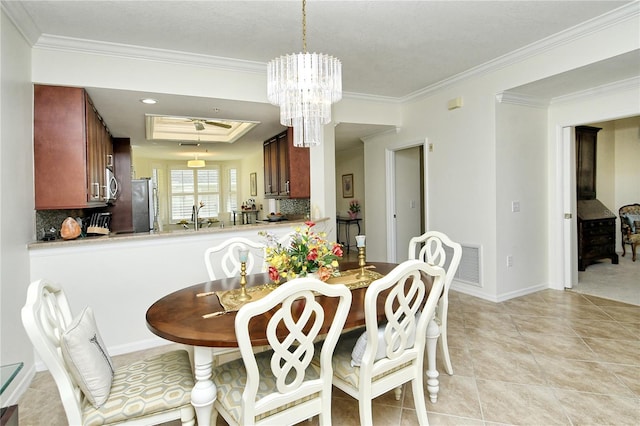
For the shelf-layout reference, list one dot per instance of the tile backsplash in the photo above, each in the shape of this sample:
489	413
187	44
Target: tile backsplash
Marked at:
48	219
295	206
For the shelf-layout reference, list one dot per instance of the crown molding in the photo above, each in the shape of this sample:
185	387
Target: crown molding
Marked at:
70	44
622	85
22	21
392	131
623	13
515	98
373	98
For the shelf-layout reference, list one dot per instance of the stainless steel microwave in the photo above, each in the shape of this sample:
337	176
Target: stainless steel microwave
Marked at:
111	186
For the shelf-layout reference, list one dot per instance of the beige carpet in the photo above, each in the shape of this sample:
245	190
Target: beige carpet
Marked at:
619	282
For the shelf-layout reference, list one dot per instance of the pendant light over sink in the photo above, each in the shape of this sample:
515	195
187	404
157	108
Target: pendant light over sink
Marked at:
196	163
305	85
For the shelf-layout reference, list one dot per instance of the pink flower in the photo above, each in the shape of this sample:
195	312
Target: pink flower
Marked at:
273	274
337	250
310	223
312	255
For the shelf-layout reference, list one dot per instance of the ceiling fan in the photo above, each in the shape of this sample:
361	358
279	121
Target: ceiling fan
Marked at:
199	123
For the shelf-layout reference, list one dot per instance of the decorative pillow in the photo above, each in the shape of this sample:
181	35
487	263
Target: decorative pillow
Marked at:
633	220
87	359
361	344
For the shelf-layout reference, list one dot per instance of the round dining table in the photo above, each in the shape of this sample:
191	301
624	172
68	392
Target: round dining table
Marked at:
194	316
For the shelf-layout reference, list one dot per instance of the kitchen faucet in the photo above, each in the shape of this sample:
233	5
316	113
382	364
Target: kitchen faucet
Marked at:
194	215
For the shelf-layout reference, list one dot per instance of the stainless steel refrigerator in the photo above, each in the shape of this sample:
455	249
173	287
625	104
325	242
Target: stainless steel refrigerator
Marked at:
144	204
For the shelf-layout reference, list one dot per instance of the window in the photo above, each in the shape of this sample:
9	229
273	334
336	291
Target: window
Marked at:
190	187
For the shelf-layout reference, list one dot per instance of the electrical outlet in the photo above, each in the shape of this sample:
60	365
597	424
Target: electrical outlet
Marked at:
515	206
509	261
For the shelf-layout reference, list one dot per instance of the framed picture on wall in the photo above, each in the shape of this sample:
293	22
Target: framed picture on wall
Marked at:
347	186
253	184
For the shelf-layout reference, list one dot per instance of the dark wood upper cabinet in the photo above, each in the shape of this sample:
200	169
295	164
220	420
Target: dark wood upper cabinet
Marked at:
286	168
72	148
270	152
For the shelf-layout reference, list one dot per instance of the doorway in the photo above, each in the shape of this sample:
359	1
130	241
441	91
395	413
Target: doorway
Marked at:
406	167
618	153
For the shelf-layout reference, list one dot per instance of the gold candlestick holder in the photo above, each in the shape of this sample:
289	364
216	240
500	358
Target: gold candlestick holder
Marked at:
361	262
243	296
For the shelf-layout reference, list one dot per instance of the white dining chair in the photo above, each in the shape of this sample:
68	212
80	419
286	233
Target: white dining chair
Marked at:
282	386
94	392
390	352
430	247
226	257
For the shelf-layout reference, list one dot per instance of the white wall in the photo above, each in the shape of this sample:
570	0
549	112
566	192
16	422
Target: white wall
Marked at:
463	182
521	178
16	202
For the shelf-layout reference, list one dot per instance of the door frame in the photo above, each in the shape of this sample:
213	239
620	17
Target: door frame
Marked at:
390	172
569	207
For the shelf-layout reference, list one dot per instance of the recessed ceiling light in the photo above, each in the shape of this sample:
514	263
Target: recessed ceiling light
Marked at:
149	101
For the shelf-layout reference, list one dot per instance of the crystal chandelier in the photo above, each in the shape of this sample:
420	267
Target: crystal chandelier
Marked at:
304	85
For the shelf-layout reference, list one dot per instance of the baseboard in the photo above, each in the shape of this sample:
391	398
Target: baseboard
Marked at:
521	292
476	292
141	345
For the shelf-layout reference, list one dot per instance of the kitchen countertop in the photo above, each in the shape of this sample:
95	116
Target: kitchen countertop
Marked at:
141	236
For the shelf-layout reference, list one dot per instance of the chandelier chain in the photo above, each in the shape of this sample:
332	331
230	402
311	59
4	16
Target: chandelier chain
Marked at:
304	26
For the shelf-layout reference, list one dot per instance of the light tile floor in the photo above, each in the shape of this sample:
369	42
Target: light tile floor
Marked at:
552	357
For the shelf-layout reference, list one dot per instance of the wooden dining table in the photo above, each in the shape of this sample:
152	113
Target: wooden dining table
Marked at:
194	316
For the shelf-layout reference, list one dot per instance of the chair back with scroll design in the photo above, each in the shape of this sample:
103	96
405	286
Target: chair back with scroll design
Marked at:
282	386
225	256
46	317
404	305
430	248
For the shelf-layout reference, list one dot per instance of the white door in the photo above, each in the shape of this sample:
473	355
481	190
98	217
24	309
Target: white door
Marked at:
569	234
408	199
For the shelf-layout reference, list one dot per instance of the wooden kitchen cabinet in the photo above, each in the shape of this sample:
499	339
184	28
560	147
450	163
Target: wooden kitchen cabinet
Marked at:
286	168
71	149
270	152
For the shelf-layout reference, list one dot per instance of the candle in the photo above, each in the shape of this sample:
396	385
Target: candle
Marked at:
360	240
243	255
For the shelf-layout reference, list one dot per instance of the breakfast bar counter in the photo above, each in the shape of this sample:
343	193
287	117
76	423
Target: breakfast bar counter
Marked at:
216	231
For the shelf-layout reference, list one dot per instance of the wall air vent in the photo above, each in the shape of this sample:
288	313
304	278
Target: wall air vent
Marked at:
469	270
189	144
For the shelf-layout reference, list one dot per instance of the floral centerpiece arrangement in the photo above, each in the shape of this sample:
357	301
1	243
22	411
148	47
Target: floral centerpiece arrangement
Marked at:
354	208
307	252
